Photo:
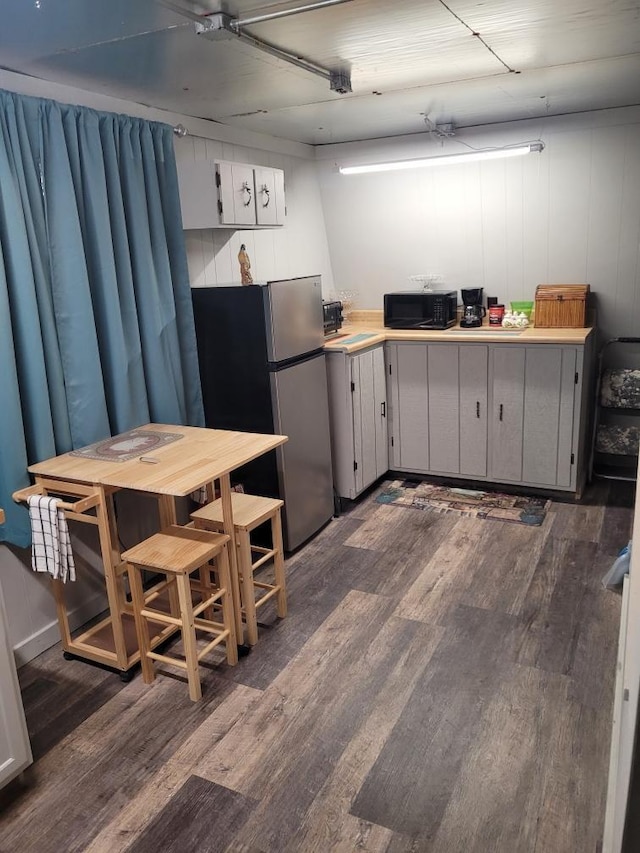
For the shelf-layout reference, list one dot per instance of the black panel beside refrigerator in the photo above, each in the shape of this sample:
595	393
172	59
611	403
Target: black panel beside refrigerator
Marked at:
262	369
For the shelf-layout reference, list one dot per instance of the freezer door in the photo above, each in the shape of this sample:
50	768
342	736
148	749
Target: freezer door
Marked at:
294	317
301	411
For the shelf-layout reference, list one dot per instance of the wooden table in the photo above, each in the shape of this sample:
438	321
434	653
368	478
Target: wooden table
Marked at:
199	458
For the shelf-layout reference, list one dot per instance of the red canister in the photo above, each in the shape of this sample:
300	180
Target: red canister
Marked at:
496	313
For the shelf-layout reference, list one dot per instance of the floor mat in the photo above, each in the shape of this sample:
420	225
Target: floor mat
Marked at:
469	502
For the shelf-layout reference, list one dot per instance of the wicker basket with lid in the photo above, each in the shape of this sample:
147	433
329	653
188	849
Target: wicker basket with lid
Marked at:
561	306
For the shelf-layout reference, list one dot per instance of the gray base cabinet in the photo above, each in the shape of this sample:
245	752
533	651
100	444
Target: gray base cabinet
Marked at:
505	413
15	751
438	397
358	417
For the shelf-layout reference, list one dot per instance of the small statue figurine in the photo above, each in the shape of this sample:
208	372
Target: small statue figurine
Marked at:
245	265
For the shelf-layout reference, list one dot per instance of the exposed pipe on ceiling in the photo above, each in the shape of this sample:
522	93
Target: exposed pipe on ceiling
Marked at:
260	18
218	25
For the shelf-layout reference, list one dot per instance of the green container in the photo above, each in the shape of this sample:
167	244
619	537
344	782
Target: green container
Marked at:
522	308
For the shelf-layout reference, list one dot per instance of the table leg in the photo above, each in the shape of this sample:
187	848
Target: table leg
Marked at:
227	517
111	578
168	516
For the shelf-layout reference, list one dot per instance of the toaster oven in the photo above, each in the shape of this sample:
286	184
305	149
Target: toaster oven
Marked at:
420	309
332	316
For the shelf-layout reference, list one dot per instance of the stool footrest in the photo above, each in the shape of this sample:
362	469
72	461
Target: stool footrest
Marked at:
167	659
273	590
158	616
208	625
262	560
211	600
216	641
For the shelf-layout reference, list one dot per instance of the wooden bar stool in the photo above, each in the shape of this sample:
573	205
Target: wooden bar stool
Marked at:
250	511
178	552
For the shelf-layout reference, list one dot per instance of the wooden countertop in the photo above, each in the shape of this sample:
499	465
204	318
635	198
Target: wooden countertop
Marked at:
366	329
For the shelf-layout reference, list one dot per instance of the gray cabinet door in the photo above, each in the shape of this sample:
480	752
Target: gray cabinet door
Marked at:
444	408
380	411
369	417
364	419
410	406
473	362
548	415
507	416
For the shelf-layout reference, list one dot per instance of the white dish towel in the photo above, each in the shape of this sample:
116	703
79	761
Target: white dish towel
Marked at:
51	548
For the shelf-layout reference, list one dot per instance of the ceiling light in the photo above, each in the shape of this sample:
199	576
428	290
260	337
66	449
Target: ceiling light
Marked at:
445	159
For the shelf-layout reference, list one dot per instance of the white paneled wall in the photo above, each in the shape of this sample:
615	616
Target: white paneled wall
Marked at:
568	215
298	248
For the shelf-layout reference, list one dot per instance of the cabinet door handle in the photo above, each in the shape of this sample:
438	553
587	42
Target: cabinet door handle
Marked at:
478	408
265	192
246	189
383	406
501	410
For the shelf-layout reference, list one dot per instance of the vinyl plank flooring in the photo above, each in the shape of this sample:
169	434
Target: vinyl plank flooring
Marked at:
578	521
447	572
141	737
309	751
555	619
311	598
411	782
160	786
441	684
571	813
407	549
395	529
593	667
616	530
327	824
201	816
508	756
504	570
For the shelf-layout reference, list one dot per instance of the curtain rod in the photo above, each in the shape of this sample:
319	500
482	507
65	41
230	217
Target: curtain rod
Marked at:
180	131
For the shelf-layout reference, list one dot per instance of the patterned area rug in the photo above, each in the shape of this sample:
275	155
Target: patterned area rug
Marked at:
493	505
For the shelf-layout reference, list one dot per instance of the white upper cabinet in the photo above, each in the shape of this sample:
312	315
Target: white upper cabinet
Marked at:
269	185
221	194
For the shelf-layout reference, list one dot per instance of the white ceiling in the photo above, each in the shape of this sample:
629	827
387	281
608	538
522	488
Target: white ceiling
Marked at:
459	61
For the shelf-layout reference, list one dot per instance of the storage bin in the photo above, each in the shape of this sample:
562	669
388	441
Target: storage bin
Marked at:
561	306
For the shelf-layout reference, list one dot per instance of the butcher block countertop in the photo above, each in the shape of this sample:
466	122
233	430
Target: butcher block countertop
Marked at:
366	329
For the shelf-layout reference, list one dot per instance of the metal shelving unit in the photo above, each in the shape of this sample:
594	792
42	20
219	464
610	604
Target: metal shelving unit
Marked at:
616	431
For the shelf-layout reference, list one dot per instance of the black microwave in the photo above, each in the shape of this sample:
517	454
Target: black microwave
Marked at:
420	309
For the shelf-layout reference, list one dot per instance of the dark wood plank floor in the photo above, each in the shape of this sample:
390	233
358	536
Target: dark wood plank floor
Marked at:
441	684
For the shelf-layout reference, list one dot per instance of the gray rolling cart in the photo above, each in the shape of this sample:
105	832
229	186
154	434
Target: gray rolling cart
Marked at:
616	432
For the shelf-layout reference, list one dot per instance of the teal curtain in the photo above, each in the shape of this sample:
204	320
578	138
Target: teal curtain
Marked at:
96	322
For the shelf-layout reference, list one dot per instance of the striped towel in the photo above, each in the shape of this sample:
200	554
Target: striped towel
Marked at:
51	548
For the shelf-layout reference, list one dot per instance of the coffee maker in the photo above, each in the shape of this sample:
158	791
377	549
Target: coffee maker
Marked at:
473	310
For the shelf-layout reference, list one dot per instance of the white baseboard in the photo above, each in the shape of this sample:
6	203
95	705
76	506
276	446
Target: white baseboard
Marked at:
49	635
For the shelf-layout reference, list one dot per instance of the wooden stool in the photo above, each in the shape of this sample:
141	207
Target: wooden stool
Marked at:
178	552
249	511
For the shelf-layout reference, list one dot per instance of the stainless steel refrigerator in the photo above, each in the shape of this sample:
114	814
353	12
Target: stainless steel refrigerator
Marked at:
262	368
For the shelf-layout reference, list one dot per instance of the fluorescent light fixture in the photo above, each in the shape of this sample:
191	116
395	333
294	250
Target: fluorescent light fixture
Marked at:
445	159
